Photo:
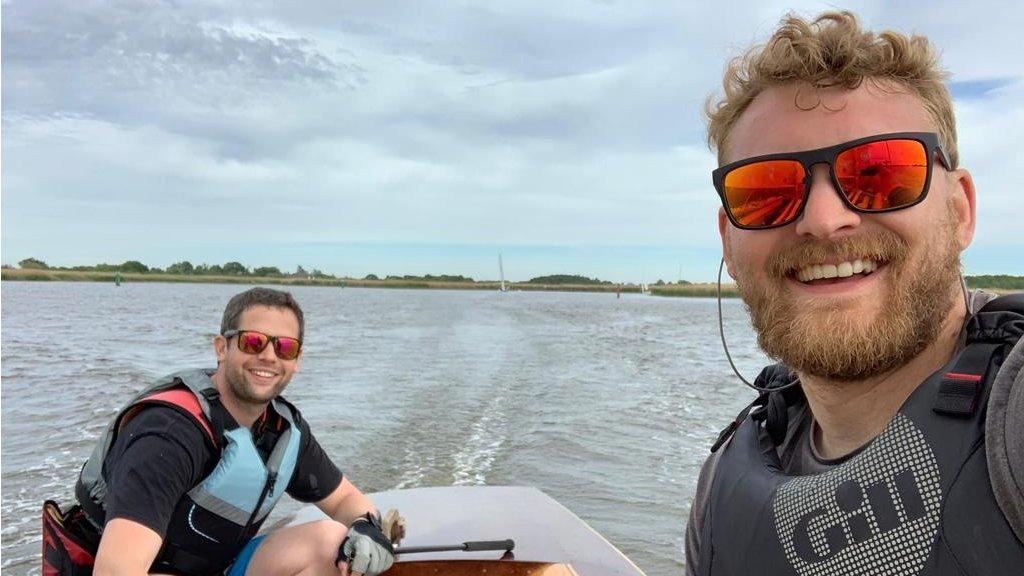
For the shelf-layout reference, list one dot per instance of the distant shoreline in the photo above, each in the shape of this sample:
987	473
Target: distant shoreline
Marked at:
676	290
706	290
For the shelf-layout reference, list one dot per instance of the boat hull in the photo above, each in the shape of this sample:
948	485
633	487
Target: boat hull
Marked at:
545	532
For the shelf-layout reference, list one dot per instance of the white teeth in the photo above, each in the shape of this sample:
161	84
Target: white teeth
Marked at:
841	270
263	373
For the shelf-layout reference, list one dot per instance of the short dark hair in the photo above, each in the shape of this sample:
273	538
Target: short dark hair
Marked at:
239	303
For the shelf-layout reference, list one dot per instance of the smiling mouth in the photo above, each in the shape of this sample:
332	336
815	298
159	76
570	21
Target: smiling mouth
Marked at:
262	373
831	272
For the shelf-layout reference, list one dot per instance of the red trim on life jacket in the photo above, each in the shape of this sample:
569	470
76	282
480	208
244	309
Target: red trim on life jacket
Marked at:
264	421
261	422
63	553
967	377
182	398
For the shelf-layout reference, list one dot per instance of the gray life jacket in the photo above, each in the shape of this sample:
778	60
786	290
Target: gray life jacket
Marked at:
917	500
218	516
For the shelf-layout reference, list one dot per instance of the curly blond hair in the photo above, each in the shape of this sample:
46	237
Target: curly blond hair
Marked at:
832	50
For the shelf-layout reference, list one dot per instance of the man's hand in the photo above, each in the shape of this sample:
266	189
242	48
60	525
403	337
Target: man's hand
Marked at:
368	551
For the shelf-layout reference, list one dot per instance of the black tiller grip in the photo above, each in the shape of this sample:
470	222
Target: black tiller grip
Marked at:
483	545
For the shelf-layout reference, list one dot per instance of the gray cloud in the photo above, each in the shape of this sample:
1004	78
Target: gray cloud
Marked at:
417	121
154	63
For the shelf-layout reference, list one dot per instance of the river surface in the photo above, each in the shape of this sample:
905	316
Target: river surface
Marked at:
608	405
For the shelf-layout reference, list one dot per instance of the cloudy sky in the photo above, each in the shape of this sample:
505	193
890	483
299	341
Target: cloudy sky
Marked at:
423	136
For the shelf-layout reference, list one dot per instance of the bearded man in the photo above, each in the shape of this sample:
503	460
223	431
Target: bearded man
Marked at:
189	470
889	440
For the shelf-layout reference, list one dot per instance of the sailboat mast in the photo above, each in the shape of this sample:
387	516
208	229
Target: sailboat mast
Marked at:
501	270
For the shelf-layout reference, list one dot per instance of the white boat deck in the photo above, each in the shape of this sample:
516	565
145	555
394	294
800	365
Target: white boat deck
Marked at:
543	529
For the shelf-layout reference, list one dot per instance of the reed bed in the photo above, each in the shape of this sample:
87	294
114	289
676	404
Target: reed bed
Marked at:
671	290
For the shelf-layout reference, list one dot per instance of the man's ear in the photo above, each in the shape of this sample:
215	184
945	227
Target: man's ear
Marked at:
964	202
220	348
723	233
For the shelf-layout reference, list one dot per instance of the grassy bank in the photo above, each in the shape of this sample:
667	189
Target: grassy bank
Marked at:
671	290
76	276
685	290
692	290
514	286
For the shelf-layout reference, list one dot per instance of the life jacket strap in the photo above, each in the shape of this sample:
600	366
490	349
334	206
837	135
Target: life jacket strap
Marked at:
990	333
960	390
217	412
94	514
727	433
175	559
184	399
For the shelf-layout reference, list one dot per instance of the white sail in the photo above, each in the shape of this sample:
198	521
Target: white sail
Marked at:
501	270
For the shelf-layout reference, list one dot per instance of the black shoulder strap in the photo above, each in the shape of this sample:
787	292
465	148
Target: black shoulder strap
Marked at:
728	431
770	407
960	390
220	418
990	334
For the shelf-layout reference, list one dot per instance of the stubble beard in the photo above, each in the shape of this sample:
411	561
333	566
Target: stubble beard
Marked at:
244	392
831	341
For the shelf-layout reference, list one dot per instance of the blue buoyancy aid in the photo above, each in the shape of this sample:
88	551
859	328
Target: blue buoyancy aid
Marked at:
916	501
218	516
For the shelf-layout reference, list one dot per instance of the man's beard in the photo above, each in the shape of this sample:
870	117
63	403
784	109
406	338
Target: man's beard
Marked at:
829	340
244	392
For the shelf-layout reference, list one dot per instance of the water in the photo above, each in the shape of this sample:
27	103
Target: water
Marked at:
607	405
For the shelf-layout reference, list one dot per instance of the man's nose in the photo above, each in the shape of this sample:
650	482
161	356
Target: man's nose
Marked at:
268	353
826	214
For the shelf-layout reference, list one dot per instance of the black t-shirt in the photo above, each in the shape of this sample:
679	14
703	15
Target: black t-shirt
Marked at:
161	454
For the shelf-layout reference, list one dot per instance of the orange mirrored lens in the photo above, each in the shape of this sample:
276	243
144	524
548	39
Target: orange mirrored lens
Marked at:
252	342
765	194
883	175
286	348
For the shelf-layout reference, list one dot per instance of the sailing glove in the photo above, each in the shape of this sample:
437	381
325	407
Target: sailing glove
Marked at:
366	548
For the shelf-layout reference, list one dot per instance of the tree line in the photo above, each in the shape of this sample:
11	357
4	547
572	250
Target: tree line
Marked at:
996	281
563	279
233	268
560	279
183	268
426	278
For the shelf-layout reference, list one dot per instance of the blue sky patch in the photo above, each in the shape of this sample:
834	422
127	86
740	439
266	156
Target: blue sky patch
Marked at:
975	89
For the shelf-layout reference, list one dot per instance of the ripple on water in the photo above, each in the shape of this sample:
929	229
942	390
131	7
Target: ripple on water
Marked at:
607	405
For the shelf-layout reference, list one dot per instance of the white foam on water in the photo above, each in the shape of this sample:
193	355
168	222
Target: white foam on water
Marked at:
488	434
575	394
416	467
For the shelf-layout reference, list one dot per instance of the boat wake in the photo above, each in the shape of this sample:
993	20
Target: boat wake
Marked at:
416	466
488	434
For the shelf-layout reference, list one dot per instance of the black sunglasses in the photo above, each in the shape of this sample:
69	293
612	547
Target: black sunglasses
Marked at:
875	174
